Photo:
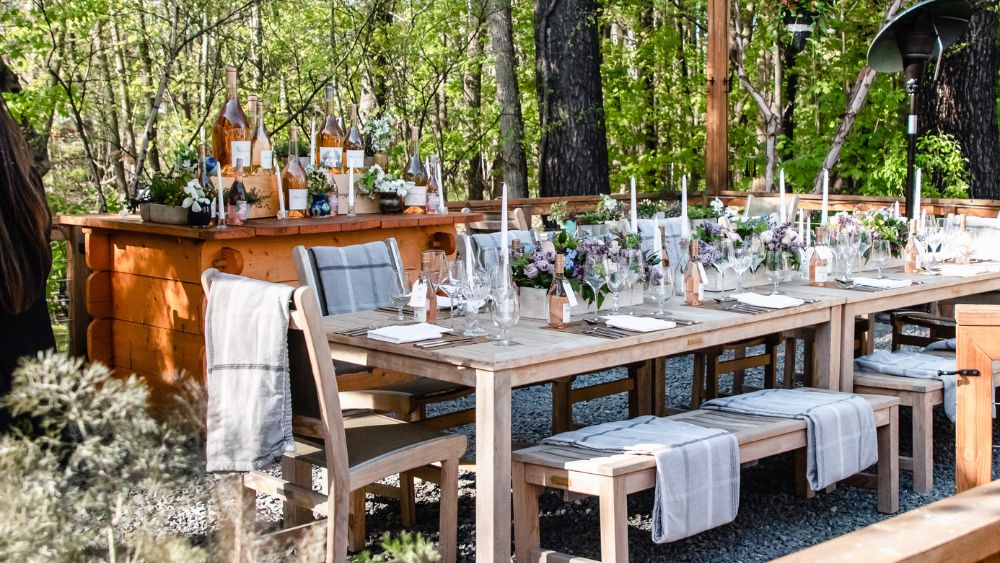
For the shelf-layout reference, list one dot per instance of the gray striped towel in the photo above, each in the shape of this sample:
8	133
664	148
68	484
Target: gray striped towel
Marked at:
355	278
914	364
940	345
697	469
249	418
488	244
840	428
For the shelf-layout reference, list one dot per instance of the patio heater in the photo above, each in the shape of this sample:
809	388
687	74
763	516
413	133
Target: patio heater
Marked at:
906	44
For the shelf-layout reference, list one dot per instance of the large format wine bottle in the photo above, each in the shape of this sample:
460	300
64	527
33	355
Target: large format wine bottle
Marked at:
330	141
231	132
354	144
416	197
294	181
263	157
557	298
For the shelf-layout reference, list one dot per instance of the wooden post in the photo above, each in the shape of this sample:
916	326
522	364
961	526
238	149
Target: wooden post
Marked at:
77	271
978	343
717	102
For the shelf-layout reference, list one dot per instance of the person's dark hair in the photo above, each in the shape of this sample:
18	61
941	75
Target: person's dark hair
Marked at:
25	256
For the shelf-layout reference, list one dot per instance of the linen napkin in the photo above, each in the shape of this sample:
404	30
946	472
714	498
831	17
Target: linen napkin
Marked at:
884	283
965	270
402	334
769	301
639	324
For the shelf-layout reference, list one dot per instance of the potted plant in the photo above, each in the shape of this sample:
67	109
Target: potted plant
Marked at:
199	204
166	196
320	189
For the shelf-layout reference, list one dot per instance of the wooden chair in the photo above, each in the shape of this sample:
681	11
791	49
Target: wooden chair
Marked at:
612	477
356	448
938	327
862	346
771	204
516	219
709	366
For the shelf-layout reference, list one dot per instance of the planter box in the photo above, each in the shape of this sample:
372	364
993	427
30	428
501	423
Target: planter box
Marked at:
533	302
749	279
266	186
168	214
362	205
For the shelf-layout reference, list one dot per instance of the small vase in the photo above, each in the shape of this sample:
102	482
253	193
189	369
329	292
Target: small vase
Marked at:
334	201
320	206
382	160
389	203
200	218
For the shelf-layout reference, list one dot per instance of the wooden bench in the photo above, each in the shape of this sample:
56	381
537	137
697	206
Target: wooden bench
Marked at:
611	477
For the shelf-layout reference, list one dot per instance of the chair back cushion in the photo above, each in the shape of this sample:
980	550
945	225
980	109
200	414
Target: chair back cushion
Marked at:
487	245
354	278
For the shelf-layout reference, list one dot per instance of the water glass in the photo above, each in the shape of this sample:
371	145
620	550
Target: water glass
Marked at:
615	273
635	273
776	262
401	292
881	253
741	261
661	287
722	260
506	312
593	275
476	289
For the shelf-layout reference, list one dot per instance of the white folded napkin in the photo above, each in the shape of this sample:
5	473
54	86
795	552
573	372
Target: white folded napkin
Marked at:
769	301
407	333
965	270
638	324
884	283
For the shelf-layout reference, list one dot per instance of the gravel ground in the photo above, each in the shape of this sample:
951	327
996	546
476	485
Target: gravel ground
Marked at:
772	521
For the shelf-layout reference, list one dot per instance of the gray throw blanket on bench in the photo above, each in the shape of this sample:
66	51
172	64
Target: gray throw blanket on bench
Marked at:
249	421
840	428
914	364
697	469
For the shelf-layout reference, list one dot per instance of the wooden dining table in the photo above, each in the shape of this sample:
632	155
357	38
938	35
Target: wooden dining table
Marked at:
542	354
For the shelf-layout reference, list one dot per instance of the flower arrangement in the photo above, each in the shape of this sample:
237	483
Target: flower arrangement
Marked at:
376	180
748	227
378	130
534	267
884	224
559	212
196	199
783	237
845	223
319	181
186	162
694	211
611	208
648	208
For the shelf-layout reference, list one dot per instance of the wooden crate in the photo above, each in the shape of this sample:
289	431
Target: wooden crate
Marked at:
266	185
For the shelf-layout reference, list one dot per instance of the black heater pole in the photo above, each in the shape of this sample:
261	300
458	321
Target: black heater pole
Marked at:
915	46
910	189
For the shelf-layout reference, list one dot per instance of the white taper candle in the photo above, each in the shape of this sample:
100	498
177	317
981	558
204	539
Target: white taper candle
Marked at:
282	213
824	209
633	210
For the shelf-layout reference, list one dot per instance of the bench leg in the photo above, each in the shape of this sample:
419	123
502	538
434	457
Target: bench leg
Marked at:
407	500
923	445
299	473
639	398
698	380
614	520
888	464
790	352
356	521
659	383
448	533
802	489
526	527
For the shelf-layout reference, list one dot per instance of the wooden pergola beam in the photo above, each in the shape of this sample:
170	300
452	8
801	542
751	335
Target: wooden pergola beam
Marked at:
717	102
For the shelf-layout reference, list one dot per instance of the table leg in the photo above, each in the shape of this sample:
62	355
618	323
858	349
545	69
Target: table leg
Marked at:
847	350
493	511
826	359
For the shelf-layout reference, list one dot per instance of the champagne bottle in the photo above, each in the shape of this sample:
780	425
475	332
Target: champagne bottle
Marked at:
911	254
231	132
294	181
236	198
330	141
819	262
694	282
416	197
428	312
433	189
263	155
354	143
557	298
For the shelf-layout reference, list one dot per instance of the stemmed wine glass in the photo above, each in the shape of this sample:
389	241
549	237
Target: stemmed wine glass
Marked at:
593	275
635	273
843	248
776	262
722	260
476	288
506	312
452	285
743	255
615	275
401	291
661	287
881	252
863	242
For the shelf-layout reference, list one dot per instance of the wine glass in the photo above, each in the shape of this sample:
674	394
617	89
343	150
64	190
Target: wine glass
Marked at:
881	253
863	240
615	274
722	260
776	262
635	273
843	249
965	245
401	291
506	312
661	287
593	275
476	288
451	284
742	257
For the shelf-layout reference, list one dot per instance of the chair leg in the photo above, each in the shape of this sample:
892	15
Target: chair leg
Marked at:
299	473
338	527
888	464
448	534
640	400
356	521
771	351
659	383
526	527
614	520
923	445
698	380
739	376
802	489
562	408
712	374
243	522
790	352
407	500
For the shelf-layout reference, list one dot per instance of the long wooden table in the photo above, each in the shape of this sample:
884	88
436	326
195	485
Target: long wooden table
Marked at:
543	355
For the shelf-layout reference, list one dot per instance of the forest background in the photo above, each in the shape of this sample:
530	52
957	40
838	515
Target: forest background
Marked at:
553	96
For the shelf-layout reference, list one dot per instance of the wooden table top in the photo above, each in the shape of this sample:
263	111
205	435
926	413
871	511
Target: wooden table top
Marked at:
266	227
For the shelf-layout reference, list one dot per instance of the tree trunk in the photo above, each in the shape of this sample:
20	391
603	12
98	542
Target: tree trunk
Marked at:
472	86
962	102
147	61
515	165
573	154
110	108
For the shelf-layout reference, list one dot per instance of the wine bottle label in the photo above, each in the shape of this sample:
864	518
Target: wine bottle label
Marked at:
824	264
433	201
569	293
418	296
355	159
239	150
566	313
243	210
420	314
298	198
331	157
266	160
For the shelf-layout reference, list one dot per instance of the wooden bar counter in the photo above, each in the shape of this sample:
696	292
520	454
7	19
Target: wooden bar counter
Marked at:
142	306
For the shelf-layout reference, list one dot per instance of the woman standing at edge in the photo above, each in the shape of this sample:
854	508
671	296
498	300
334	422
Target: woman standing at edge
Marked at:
25	256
